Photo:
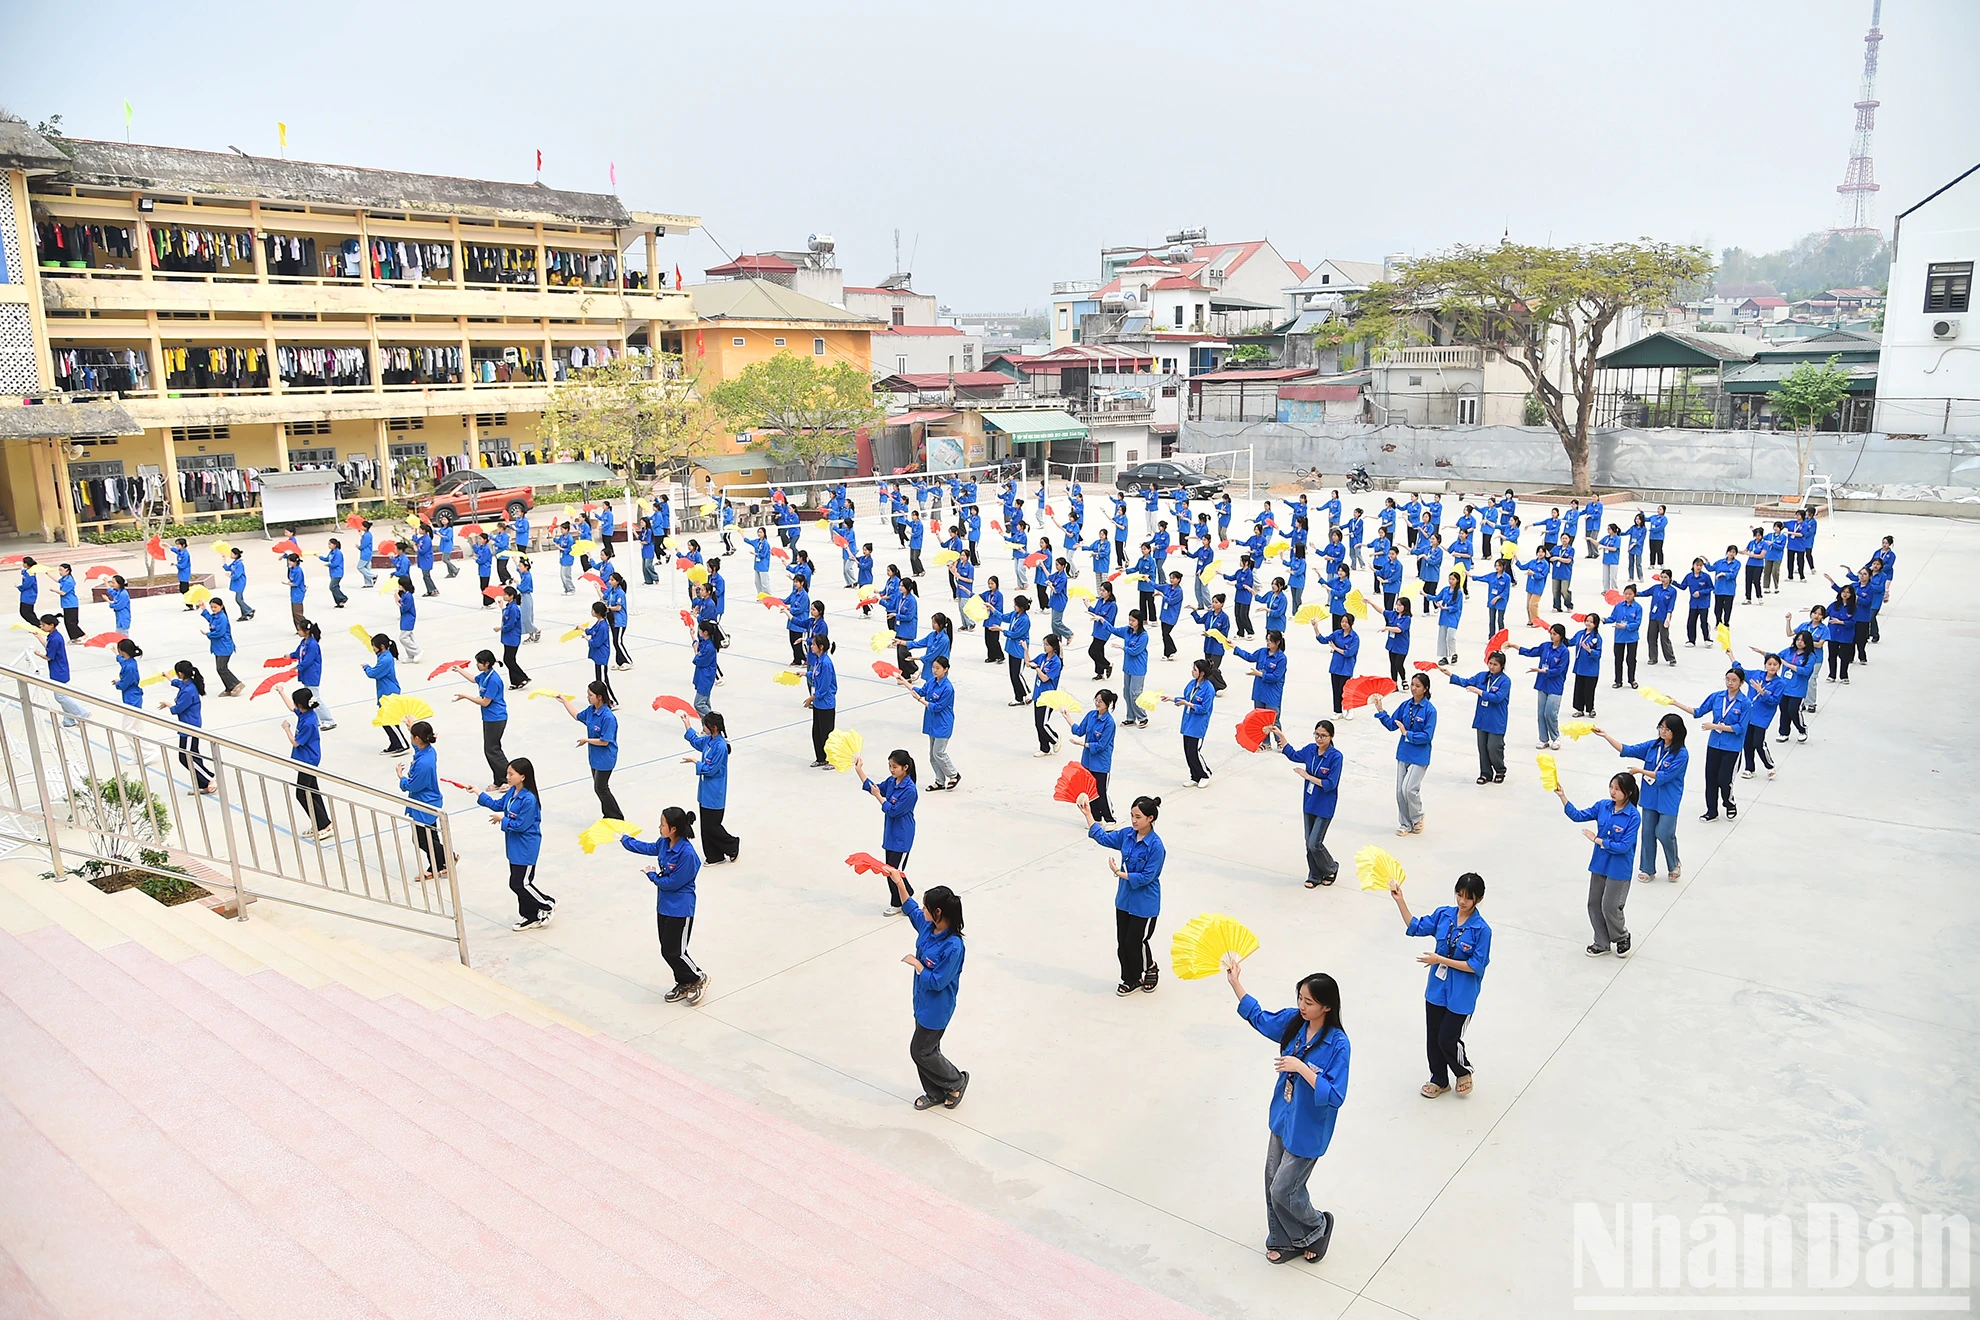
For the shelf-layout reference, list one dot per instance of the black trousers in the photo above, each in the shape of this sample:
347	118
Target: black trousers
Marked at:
1443	1040
74	628
1397	673
1097	653
491	749
898	891
1625	653
823	722
1133	939
1840	653
1244	619
531	902
1193	757
716	841
1697	627
1168	640
1018	691
619	653
1340	689
428	840
1584	693
904	661
517	678
1791	717
310	800
486	602
1040	717
993	645
608	801
1756	746
395	739
602	673
940	1079
1722	609
1102	809
1491	754
1719	765
33	620
1660	641
674	935
1656	553
1754	589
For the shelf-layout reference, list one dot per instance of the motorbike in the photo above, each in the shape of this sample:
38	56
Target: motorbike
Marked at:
1358	480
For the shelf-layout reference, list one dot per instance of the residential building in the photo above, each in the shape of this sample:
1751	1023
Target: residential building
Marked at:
1446	385
893	305
915	389
1241	394
1187	285
1928	380
247	314
813	272
744	320
1706	380
901	350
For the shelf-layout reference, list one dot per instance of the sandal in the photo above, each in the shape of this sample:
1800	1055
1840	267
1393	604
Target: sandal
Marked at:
955	1097
925	1102
1313	884
1464	1084
1329	879
1431	1090
1282	1255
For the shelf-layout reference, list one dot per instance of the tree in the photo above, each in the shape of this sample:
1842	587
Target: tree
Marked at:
633	409
1813	265
806	413
1807	395
1244	353
1533	306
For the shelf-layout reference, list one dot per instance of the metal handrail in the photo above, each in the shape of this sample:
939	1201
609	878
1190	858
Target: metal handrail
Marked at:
85	771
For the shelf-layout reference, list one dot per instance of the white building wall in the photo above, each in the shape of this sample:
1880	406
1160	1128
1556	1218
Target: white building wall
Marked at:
1925	384
916	308
926	353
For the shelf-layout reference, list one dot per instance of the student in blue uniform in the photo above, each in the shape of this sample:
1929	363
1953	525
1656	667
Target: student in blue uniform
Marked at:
675	867
711	777
1841	618
1798	665
188	687
1488	720
1562	561
1457	972
1319	765
236	583
1665	761
1268	671
1658	523
1415	721
1137	890
1015	627
56	652
1134	667
896	794
937	961
182	568
1198	700
1699	587
333	560
1725	585
519	812
938	718
118	598
128	685
1549	678
484	567
598	649
1626	616
220	641
1587	663
308	656
443	547
1307	1096
408	604
1343	648
383	672
494	702
600	743
1611	863
1663	603
29	588
821	679
305	737
1610	548
1636	533
423	558
1723	716
1103	611
1396	625
1094	733
1763	699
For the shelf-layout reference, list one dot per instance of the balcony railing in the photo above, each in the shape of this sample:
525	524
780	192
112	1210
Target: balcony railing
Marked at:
1473	358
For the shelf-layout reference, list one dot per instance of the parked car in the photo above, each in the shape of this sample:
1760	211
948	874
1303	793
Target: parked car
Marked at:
467	495
1164	475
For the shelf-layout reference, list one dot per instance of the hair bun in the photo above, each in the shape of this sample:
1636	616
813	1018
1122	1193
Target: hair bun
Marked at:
1155	801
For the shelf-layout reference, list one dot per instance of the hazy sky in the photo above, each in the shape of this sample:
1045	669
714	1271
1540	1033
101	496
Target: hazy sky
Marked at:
1009	142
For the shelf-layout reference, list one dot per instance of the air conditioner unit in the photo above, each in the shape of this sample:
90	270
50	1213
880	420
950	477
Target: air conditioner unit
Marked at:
1946	329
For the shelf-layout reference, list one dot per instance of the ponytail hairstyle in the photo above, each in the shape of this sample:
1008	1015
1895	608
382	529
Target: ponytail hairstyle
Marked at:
485	658
1559	633
128	648
307	628
525	767
712	631
118	578
303	699
680	820
599	610
1050	641
714	724
380	642
1326	992
1627	783
909	585
405	584
1106	697
902	757
941	623
189	671
946	903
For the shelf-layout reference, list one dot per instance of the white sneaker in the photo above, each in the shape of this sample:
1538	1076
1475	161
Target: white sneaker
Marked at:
1746	774
1772	774
890	911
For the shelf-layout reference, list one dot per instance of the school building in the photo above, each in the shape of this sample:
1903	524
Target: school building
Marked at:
178	321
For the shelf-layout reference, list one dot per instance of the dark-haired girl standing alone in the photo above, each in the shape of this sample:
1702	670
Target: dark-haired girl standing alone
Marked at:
519	812
1307	1096
1138	891
938	962
675	865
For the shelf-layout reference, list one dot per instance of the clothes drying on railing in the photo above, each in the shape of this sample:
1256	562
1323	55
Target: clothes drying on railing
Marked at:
77	242
290	254
102	370
234	488
511	364
593	269
436	365
357	470
97	499
188	368
499	265
508	458
201	251
392	259
322	366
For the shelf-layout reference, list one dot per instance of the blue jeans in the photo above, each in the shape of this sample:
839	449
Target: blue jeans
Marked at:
1320	863
1658	826
1131	685
1290	1219
1550	716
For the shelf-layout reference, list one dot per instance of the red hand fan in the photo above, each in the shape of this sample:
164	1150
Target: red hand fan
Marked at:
100	571
268	684
1425	665
595	579
591	508
838	540
674	704
1223	545
355	522
1579	618
154	548
8	561
384	547
278	662
1612	597
863	863
886	670
285	546
1049	513
104	639
1497	641
682	563
772	603
996	526
1114	575
1075	782
687	618
495	593
1251	729
1034	559
473	529
778	552
1356	692
446	665
455	783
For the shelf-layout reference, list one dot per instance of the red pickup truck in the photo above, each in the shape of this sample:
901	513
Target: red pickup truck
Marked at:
466	496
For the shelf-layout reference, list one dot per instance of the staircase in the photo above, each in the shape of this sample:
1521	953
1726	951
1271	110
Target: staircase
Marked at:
207	1118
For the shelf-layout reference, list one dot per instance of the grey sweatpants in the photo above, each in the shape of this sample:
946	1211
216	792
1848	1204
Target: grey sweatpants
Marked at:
938	757
1606	898
1409	794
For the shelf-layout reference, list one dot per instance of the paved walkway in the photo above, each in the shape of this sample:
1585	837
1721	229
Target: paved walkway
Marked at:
1793	1026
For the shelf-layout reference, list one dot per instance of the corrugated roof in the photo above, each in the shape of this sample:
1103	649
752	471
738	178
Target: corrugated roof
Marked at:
760	300
1320	393
744	265
941	380
1682	348
920	415
1760	377
917	330
1268	374
141	168
1030	427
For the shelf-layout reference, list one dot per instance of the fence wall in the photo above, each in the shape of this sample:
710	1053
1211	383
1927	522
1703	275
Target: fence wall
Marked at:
1744	463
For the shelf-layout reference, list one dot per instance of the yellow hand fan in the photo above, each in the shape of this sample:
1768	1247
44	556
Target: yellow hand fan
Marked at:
604	830
545	692
1464	574
401	709
1064	702
1208	575
1578	729
1217	635
1148	700
362	633
388	583
1357	605
1377	867
1198	947
1550	774
705	506
584	547
841	746
1725	637
571	636
198	596
1080	591
697	573
153	680
1132	579
1653	695
787	678
975	610
24	627
943	558
1277	546
222	549
882	642
1310	614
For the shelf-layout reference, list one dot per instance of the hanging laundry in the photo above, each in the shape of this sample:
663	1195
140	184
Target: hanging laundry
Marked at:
191	368
302	367
55	241
102	370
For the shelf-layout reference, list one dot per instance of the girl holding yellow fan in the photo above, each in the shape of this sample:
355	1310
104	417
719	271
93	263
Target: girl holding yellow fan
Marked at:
1312	1068
1612	863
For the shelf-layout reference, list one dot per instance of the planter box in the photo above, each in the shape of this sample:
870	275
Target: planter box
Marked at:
165	586
116	881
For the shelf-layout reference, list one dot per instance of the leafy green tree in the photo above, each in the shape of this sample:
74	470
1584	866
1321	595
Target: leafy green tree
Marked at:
1546	310
1806	395
803	413
1244	353
1813	264
633	409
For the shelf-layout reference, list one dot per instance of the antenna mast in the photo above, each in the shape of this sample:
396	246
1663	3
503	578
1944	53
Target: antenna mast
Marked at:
1858	190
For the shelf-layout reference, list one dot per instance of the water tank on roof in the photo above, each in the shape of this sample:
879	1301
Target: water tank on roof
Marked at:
820	243
1179	252
1188	236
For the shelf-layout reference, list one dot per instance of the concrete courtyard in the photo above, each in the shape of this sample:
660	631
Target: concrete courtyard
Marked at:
1797	1022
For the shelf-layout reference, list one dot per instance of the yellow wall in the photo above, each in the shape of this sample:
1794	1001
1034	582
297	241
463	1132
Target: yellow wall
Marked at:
721	360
